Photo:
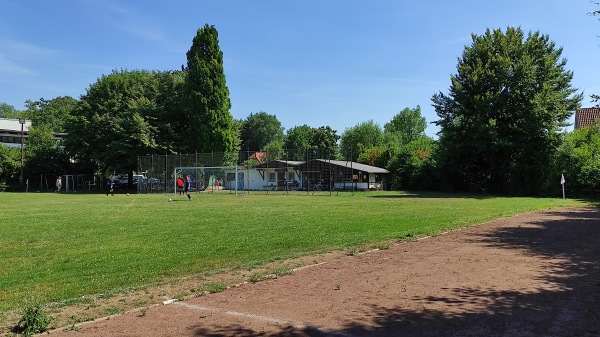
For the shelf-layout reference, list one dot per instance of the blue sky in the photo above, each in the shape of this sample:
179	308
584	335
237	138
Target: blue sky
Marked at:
314	62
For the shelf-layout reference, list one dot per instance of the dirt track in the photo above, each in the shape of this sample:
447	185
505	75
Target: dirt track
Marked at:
536	274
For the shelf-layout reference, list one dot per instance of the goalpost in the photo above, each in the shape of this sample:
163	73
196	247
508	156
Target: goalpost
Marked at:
212	179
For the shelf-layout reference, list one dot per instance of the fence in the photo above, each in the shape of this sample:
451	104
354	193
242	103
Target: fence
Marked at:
306	170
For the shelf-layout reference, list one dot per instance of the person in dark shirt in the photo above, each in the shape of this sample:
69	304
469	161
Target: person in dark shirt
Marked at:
111	186
188	186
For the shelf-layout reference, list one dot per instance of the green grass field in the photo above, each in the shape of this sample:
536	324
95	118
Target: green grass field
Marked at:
59	247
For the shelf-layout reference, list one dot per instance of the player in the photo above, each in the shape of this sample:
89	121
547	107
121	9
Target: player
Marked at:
188	186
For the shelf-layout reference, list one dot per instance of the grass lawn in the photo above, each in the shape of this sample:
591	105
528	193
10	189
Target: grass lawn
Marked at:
55	247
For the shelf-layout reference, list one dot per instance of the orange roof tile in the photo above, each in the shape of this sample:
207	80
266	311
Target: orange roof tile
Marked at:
586	117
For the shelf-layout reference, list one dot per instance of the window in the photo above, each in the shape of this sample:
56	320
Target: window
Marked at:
290	175
271	176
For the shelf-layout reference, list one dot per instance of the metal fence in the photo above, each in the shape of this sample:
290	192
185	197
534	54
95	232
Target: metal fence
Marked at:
301	171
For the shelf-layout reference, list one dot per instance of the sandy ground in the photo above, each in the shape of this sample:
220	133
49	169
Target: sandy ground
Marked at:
536	274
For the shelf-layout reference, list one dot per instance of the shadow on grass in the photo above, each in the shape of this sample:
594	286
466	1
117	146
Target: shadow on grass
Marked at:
433	195
567	306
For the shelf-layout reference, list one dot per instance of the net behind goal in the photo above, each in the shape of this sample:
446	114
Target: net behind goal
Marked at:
209	179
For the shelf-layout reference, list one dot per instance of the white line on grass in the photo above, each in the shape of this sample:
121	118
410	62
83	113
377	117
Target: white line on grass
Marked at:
270	320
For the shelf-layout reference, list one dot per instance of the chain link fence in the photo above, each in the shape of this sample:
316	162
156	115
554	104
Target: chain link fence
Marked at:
288	171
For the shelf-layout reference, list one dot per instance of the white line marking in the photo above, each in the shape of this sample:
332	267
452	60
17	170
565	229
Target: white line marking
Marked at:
271	320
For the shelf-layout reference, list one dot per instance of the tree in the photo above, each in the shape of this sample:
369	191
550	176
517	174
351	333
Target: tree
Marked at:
210	125
121	111
304	141
406	126
298	138
413	167
324	137
357	139
53	113
500	122
579	158
8	111
43	153
10	163
260	129
169	115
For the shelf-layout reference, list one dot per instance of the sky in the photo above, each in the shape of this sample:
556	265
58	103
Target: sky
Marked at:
332	63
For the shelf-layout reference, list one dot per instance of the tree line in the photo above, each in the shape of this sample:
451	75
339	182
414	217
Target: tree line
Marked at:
502	123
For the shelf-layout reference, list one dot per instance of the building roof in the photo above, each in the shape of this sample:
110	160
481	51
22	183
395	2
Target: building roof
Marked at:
278	164
586	117
11	124
259	156
349	164
356	166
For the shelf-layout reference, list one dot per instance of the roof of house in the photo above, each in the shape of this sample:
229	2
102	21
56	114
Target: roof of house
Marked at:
586	117
278	164
343	163
356	166
11	124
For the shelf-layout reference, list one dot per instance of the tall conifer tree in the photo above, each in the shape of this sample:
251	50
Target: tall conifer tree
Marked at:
210	127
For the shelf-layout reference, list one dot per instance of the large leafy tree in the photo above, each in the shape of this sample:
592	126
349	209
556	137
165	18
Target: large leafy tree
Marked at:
210	123
413	167
10	163
169	113
116	121
360	138
305	142
260	129
8	111
500	122
43	153
52	113
406	126
579	158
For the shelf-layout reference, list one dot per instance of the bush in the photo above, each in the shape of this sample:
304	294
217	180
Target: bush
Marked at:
34	321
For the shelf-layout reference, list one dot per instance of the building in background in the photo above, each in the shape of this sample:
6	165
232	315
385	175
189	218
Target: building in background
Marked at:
586	117
10	131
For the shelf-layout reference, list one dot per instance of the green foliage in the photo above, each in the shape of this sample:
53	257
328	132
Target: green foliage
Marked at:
274	150
358	139
210	124
413	167
306	137
53	113
282	272
122	110
579	159
43	153
298	137
8	111
10	164
213	287
500	122
257	277
169	115
260	129
373	156
33	321
406	126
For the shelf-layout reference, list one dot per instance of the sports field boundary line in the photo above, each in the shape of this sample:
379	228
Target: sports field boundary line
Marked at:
270	320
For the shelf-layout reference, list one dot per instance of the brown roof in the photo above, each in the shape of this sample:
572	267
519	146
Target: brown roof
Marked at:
586	117
259	156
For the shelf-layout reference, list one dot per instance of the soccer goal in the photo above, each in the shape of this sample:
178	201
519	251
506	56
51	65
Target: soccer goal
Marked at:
209	179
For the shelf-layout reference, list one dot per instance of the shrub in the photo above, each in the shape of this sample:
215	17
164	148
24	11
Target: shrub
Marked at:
34	321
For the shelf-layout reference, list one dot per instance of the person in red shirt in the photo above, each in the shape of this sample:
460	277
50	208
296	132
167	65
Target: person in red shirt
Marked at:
180	185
